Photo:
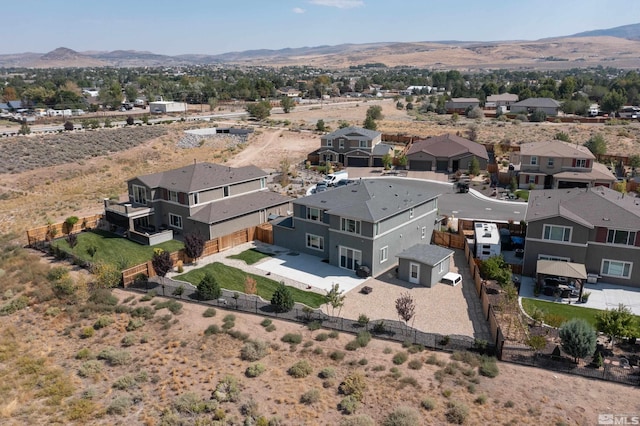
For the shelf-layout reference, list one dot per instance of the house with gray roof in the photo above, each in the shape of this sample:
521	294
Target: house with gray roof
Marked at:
461	105
558	164
547	105
596	226
366	224
354	147
210	199
446	153
501	100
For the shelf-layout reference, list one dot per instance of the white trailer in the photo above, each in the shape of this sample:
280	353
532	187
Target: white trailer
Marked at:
487	240
165	107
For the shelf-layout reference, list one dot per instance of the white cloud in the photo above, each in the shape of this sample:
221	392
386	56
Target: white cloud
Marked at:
340	4
298	10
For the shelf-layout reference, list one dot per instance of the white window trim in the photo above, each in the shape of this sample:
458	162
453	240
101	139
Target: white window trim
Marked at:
531	179
171	221
570	228
533	161
423	234
555	258
629	242
441	267
384	254
196	198
616	261
363	144
319	219
135	189
411	213
581	163
173	196
550	162
341	144
329	143
357	226
226	191
312	247
357	254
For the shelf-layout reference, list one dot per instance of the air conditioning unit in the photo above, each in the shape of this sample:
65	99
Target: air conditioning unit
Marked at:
592	278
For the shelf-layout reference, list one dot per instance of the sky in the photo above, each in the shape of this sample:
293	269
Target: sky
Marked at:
220	26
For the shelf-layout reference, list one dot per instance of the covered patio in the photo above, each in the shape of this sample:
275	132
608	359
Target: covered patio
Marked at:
559	278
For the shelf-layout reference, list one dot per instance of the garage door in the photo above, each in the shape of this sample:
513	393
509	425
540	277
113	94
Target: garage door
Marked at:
420	165
357	161
442	166
377	162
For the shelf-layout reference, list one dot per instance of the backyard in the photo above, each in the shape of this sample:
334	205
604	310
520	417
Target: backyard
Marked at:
557	313
233	279
112	249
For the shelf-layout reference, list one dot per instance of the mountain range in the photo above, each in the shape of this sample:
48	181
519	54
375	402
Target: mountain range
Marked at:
616	47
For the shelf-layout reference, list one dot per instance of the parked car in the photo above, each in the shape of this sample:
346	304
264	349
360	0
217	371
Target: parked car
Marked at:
451	278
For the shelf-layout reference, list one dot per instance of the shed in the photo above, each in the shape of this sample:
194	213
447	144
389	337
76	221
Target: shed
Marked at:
424	264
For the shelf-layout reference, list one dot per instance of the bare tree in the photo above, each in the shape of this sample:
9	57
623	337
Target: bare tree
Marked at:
406	307
335	298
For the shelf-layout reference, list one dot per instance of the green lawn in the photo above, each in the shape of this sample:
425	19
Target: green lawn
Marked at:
233	279
250	256
114	249
562	310
522	194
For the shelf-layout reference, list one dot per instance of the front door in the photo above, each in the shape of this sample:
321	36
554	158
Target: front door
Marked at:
414	273
350	258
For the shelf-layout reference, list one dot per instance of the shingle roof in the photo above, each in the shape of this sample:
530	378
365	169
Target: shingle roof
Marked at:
371	134
448	145
199	176
592	207
556	148
538	103
502	97
371	200
381	149
426	253
231	207
464	100
599	172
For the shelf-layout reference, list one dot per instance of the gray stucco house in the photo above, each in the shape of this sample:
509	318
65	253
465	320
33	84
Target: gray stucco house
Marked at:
547	105
424	264
354	147
211	199
596	226
446	153
367	223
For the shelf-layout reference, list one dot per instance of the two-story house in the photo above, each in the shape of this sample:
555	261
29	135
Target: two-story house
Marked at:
368	223
597	227
557	164
446	153
354	147
211	199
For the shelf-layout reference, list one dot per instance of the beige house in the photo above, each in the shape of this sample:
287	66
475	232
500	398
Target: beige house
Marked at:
556	164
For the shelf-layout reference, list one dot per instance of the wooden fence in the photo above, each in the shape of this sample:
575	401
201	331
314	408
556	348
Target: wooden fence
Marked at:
448	239
37	236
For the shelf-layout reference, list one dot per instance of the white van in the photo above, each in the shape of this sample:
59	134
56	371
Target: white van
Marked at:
451	278
333	178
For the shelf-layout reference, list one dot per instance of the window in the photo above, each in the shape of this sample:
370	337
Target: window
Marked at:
616	236
384	254
440	267
350	258
532	179
313	214
263	183
226	191
550	257
329	142
556	233
364	144
614	268
173	196
315	242
175	220
550	162
350	225
139	194
376	229
534	160
411	213
196	198
423	232
341	143
581	163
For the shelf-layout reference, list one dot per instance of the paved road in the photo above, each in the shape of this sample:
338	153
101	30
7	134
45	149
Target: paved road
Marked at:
478	207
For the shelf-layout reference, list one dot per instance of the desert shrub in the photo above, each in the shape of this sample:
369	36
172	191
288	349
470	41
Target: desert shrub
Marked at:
363	361
363	320
314	325
334	334
227	390
408	380
321	337
114	356
509	404
87	332
318	351
84	353
300	369
400	358
456	413
415	364
134	324
149	295
327	373
90	369
379	368
352	345
209	312
173	306
379	327
337	355
191	403
254	370
124	383
310	397
467	357
428	404
270	328
228	322
81	409
360	420
402	416
471	388
354	384
120	405
266	322
349	404
15	305
488	367
480	400
145	312
414	349
447	393
363	338
57	273
212	329
237	334
254	350
292	338
128	340
53	311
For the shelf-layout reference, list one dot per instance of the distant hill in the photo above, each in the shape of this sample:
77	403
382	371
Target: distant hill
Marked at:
616	47
630	32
